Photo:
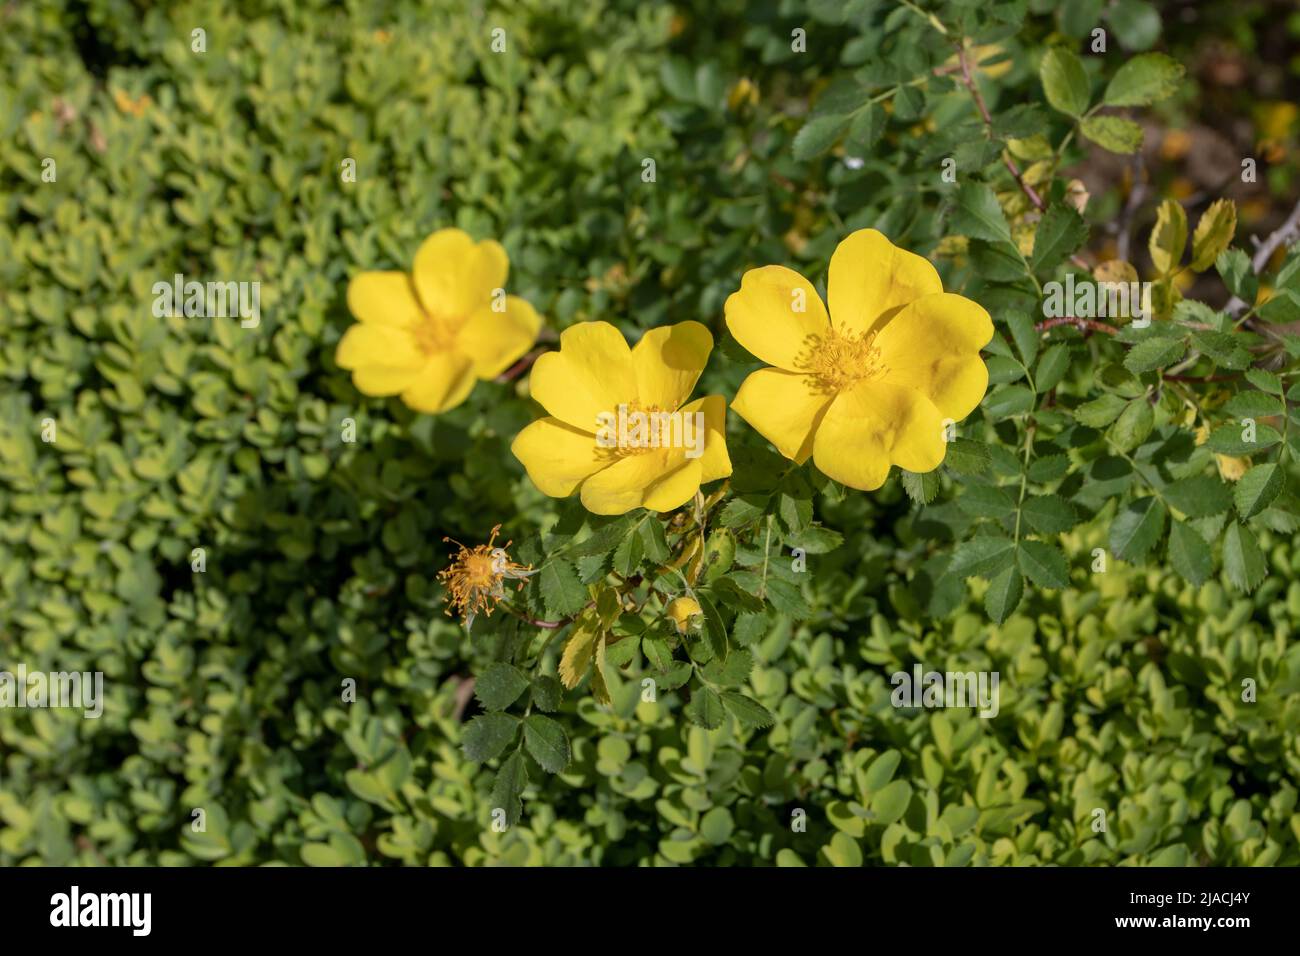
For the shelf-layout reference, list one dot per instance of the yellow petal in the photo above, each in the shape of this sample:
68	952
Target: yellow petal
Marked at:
557	456
454	275
674	489
715	463
870	277
784	408
495	339
591	374
668	360
384	298
933	346
383	360
765	315
368	345
662	480
445	381
872	425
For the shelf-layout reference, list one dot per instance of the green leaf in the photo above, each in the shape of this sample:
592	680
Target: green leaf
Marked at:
1008	401
1065	81
1189	553
982	557
818	135
880	772
705	709
716	826
920	488
1101	411
1238	274
1060	232
1003	595
487	735
967	457
1264	380
1144	80
547	743
1024	335
1253	404
1049	514
865	130
500	685
1257	489
1044	564
986	501
1282	307
1223	348
978	214
1133	425
714	629
1137	528
748	711
546	693
509	785
628	554
1242	560
1114	133
1231	440
890	803
731	672
1154	354
562	591
1199	496
1052	367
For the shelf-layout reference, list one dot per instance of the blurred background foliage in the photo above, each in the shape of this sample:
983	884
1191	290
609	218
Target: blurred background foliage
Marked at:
224	686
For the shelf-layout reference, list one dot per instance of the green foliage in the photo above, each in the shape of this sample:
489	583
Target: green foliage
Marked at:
1090	536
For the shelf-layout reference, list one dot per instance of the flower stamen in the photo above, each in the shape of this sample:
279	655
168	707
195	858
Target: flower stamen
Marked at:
837	360
474	579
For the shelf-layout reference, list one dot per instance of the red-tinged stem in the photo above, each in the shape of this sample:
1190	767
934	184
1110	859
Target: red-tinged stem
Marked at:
968	80
518	369
1083	325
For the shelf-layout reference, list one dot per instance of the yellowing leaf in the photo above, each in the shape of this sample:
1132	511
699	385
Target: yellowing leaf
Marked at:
1115	133
1230	468
577	655
599	689
1213	233
1115	270
1169	237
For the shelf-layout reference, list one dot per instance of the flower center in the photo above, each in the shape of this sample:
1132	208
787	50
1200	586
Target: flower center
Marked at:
479	569
632	429
838	360
433	336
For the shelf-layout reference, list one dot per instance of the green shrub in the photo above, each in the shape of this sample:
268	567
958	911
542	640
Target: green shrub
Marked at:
227	687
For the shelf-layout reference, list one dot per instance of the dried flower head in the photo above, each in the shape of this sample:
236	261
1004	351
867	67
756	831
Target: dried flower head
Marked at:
474	579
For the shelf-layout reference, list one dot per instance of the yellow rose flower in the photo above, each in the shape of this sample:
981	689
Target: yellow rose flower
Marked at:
619	431
871	384
430	335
